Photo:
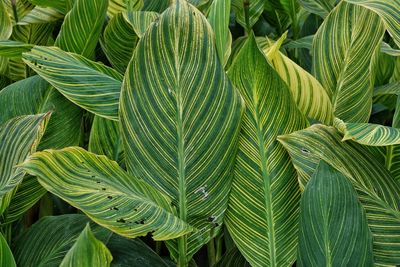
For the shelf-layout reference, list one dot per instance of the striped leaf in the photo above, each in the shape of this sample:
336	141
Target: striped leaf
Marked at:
106	193
263	204
48	240
389	11
34	95
369	133
180	119
253	8
118	6
311	98
87	251
388	89
218	17
105	139
118	42
41	15
82	27
6	256
140	20
232	258
343	50
376	188
319	7
5	22
333	225
387	49
61	5
156	5
91	85
28	193
19	137
18	9
13	48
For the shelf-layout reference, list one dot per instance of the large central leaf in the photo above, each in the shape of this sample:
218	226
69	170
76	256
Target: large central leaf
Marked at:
263	205
180	117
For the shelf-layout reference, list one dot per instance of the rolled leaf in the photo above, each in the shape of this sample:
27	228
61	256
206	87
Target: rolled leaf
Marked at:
180	119
6	256
87	251
333	225
106	193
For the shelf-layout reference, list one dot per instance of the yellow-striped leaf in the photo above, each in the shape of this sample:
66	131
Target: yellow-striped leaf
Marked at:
106	193
91	85
13	48
82	27
388	89
263	205
218	17
105	139
5	22
333	225
389	11
118	42
41	15
180	119
19	137
140	20
87	251
6	256
118	6
253	8
376	188
368	133
311	98
343	50
319	7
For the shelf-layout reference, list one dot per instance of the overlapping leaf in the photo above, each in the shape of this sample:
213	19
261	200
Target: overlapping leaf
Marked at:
319	7
263	204
311	98
376	188
333	225
82	27
107	194
343	49
180	117
253	9
91	85
6	256
87	251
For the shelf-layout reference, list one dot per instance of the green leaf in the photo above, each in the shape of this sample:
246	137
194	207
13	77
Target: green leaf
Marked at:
333	225
117	6
232	258
18	9
389	11
105	139
387	49
218	17
6	256
61	5
13	48
343	50
118	42
388	89
106	193
48	240
19	138
87	251
376	188
310	97
319	7
5	22
369	133
263	204
132	252
91	85
41	15
34	95
82	27
180	119
254	9
140	20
